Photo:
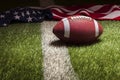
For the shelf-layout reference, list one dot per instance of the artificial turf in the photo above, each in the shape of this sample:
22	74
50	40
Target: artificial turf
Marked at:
20	52
101	60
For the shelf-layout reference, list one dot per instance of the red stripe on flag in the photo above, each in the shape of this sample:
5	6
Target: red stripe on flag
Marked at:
100	12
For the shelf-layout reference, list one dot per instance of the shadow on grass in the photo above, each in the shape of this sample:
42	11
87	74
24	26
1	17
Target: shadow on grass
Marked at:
59	43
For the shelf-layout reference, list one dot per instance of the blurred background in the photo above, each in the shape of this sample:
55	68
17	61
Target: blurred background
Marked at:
83	2
8	4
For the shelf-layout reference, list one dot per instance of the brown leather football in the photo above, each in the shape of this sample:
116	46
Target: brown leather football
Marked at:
78	29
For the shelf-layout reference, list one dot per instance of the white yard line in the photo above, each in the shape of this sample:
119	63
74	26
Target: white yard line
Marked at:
56	60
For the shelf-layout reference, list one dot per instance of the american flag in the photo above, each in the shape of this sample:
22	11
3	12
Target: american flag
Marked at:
99	12
24	15
37	14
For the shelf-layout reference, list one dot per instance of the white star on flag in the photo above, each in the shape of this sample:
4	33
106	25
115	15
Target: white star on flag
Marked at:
15	13
39	12
34	12
4	24
40	17
29	19
2	16
27	12
17	17
23	14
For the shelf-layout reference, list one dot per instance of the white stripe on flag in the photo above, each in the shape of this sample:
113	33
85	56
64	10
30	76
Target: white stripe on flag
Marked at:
96	7
112	15
57	9
112	9
57	15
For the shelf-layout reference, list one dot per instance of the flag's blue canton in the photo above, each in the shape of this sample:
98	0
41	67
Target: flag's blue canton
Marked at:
24	15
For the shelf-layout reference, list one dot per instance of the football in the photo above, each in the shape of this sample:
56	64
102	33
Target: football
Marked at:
78	29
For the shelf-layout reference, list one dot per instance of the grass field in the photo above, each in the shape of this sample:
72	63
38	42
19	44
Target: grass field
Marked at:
99	61
20	52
